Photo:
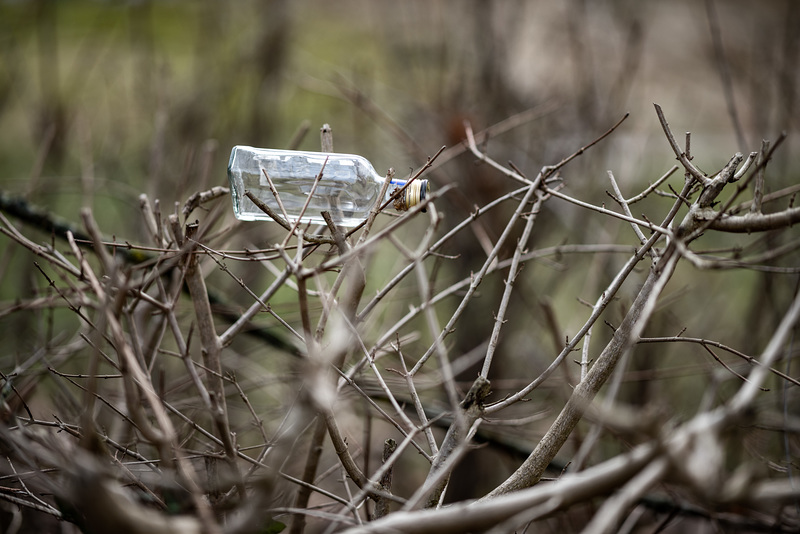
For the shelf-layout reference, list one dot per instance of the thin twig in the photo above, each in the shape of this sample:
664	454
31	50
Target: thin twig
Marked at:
682	156
306	203
275	194
758	187
513	271
652	186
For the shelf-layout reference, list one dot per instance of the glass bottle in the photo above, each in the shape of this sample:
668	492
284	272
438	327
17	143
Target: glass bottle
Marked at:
348	189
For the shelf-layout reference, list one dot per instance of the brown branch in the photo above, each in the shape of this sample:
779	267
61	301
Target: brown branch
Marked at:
354	271
485	514
309	472
471	410
201	197
756	222
382	503
699	175
758	187
211	351
534	466
311	238
707	342
164	435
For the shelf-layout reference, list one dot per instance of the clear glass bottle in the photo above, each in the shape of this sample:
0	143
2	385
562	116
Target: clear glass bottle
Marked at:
348	189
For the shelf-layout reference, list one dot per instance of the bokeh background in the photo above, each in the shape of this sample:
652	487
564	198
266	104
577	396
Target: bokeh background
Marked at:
132	93
101	101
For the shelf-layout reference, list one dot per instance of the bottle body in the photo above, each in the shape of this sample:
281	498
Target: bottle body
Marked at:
348	189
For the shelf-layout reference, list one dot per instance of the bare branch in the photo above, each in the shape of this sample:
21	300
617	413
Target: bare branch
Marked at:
756	222
682	156
758	188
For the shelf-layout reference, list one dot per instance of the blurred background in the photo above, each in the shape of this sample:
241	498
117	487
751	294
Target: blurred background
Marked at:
132	94
101	101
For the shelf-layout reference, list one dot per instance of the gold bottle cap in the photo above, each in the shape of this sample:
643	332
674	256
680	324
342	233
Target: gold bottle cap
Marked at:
415	193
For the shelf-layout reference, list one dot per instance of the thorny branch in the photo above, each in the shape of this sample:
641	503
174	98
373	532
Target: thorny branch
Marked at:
195	430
